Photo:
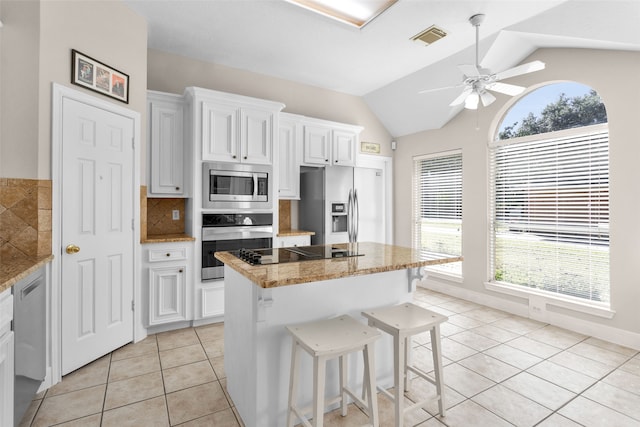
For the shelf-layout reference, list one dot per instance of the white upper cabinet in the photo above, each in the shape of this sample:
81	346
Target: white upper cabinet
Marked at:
234	128
317	145
219	132
256	136
289	148
330	143
166	149
343	147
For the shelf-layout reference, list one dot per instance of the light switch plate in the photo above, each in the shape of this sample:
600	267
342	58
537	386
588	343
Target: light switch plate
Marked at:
176	214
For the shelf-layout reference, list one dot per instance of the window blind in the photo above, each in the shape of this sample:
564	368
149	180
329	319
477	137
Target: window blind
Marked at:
549	212
438	208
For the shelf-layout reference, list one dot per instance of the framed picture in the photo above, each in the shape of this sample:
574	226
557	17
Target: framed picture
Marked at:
94	75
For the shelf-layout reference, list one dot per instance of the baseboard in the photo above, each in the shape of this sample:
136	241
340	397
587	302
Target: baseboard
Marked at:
607	333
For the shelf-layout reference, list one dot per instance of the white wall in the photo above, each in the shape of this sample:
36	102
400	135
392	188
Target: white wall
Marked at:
613	74
36	44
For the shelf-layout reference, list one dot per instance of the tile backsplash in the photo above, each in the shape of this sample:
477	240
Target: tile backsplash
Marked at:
25	218
160	216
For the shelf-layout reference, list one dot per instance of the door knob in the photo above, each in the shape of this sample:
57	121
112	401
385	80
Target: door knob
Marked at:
73	249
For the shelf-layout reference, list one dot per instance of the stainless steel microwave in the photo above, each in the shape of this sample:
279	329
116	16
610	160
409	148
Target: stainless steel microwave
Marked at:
236	186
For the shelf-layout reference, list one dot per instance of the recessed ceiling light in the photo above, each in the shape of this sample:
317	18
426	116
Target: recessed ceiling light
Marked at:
357	13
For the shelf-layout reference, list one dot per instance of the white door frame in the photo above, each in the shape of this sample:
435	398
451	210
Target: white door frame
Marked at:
59	92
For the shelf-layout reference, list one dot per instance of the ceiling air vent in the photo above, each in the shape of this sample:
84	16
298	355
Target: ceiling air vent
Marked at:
430	35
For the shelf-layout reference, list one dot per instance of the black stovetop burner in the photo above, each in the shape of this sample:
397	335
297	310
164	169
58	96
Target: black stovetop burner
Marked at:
294	254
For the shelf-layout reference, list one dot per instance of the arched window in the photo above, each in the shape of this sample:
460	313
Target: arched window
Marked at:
549	195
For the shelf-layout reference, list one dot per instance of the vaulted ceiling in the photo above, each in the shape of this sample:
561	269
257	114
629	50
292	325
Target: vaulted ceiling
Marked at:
380	62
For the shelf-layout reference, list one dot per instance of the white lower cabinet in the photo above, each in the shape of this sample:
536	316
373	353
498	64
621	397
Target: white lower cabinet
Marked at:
170	285
291	241
6	359
212	299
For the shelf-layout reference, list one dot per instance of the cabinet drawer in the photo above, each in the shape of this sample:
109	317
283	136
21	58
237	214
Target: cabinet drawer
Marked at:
167	254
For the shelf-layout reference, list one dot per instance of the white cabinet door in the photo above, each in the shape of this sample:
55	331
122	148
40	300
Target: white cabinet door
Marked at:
166	147
6	359
167	294
317	145
219	132
343	147
212	299
256	137
289	169
6	379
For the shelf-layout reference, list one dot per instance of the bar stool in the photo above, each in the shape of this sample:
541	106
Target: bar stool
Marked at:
402	322
325	340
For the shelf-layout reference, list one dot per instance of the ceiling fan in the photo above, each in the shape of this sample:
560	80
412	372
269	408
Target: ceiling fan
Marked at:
479	81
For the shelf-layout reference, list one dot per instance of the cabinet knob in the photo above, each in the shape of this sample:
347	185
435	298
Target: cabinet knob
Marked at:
178	188
326	160
233	157
245	157
336	161
180	271
168	254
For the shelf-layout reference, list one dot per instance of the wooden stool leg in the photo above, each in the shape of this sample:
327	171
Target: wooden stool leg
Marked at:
437	365
370	384
343	378
319	372
398	379
293	383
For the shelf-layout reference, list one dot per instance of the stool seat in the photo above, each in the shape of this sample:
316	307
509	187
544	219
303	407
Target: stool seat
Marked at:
327	339
403	321
333	336
408	318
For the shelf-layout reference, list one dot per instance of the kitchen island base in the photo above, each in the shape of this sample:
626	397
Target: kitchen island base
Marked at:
258	347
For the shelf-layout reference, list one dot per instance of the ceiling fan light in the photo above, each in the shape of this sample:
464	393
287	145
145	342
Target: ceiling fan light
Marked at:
471	102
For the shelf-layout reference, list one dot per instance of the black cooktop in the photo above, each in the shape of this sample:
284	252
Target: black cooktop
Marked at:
294	254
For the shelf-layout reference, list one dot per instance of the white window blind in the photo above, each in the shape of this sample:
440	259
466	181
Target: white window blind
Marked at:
549	212
438	208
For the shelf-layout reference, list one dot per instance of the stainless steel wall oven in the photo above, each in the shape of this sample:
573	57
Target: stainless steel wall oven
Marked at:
229	232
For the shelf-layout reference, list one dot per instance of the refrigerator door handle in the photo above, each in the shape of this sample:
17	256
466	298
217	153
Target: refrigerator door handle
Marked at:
350	216
356	218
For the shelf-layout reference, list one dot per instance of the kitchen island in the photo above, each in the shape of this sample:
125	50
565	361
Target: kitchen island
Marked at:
260	300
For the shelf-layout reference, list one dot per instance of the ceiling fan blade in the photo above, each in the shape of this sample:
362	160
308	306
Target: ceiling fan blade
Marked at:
460	99
440	88
507	89
469	70
487	98
529	67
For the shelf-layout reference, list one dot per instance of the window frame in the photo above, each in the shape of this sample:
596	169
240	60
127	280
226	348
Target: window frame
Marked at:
416	201
602	309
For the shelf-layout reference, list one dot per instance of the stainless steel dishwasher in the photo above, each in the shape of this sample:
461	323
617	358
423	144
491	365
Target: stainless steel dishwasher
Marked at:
29	327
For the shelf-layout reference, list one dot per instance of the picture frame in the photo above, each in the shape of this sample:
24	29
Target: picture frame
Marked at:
99	77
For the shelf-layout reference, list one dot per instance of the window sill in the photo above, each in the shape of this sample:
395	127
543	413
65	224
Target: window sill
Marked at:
565	302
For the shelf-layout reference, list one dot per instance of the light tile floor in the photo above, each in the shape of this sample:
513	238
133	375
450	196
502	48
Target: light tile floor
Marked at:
500	370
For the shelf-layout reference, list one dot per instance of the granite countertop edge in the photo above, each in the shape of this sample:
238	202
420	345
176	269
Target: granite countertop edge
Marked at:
167	238
293	232
26	266
260	275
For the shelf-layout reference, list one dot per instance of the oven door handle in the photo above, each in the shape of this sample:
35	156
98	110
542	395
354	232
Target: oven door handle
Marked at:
212	233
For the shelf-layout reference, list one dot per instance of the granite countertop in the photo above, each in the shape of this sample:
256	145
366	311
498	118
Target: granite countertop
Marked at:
167	238
292	232
16	269
377	258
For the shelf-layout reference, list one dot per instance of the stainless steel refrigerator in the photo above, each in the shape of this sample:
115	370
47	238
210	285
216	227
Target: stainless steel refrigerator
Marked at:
342	204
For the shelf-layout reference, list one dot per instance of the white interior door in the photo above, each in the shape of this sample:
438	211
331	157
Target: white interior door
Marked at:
97	218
